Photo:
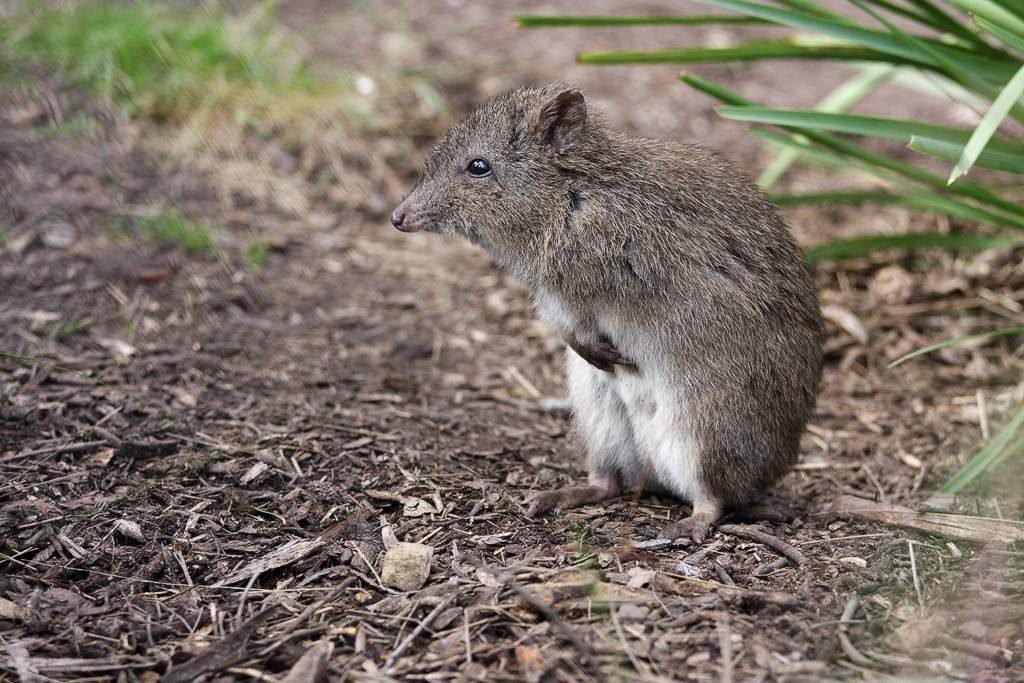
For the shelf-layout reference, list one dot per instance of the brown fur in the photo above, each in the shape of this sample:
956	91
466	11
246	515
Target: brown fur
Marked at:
696	269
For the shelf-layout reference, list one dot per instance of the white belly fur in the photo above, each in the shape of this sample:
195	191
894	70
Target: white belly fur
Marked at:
638	427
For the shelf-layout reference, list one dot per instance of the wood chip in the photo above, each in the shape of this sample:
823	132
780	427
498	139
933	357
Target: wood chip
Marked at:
312	665
845	320
387	534
218	656
7	609
357	443
530	662
22	663
103	457
117	347
640	577
129	529
76	666
411	505
291	551
380	398
254	472
417	507
910	460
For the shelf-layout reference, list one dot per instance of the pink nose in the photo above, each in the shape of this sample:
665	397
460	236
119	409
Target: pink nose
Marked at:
397	217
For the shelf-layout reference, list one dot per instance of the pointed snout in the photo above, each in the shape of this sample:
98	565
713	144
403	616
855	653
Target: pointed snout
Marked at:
398	217
401	219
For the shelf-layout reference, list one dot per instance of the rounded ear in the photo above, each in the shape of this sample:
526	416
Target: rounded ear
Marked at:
562	119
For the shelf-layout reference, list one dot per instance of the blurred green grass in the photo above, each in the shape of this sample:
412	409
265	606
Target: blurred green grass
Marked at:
171	227
197	67
256	251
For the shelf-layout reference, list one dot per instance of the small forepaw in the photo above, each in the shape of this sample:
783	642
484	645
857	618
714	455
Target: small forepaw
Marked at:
694	527
602	354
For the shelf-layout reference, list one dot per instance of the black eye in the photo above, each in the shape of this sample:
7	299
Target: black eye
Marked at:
479	168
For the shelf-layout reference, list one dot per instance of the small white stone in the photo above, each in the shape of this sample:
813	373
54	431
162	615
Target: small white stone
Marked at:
407	566
365	85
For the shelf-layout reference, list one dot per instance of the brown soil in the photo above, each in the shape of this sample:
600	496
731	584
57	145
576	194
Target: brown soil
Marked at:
167	420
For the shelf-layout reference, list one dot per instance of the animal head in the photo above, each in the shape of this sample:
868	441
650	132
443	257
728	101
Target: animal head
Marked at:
502	176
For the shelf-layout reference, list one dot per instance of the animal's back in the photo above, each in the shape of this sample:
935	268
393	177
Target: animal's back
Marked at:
698	262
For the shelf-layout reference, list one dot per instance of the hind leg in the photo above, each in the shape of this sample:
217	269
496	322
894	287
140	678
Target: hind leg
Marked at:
732	471
603	424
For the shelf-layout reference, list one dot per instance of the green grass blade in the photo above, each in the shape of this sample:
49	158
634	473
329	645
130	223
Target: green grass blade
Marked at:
953	68
1015	6
946	22
902	11
813	8
1004	444
905	197
839	100
834	197
541	21
915	200
992	12
1008	38
952	151
1014	449
774	49
856	124
930	51
996	70
935	85
929	15
983	134
910	196
958	209
928	19
719	92
873	160
956	342
810	152
858	247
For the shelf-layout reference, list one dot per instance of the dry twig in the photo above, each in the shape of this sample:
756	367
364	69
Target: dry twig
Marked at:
586	655
404	645
220	655
760	536
844	640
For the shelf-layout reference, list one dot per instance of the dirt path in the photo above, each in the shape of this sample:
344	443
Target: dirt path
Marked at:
183	417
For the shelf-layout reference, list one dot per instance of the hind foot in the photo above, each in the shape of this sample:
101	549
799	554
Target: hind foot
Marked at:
603	488
696	526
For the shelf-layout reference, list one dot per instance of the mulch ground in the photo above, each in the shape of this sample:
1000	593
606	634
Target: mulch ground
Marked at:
202	462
